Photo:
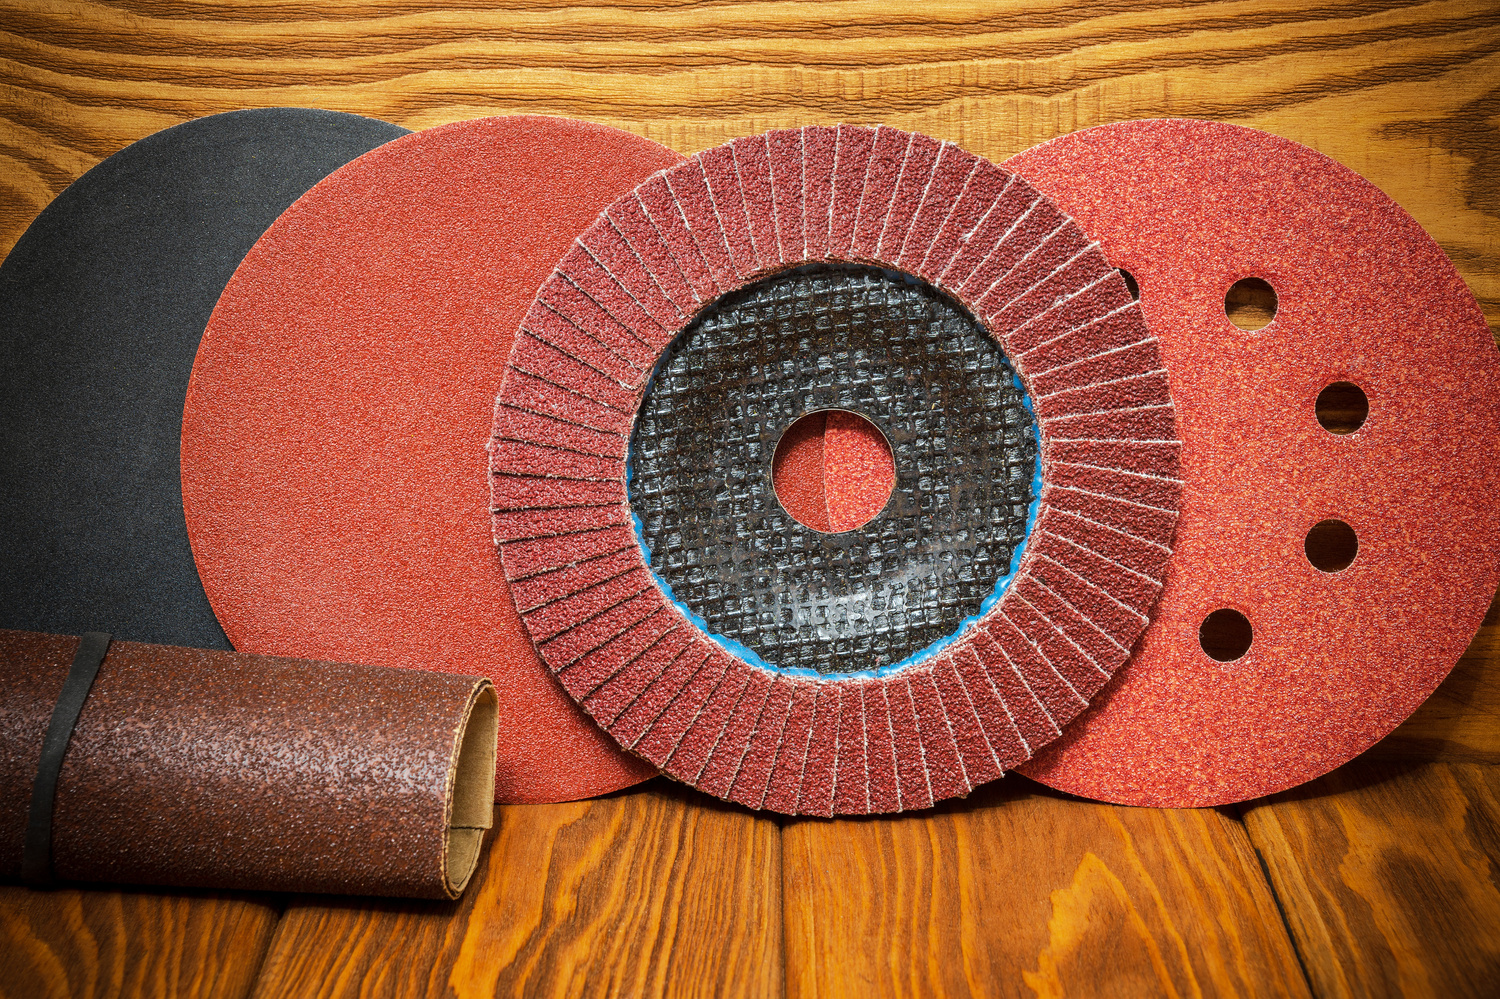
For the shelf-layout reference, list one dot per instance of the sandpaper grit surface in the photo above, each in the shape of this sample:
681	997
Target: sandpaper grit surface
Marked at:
333	463
102	304
1337	659
218	769
833	471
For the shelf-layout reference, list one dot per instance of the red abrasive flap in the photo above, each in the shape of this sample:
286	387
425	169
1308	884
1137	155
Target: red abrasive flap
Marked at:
870	743
333	463
1365	298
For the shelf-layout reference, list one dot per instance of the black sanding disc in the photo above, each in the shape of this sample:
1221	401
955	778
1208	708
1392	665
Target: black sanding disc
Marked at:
102	304
892	349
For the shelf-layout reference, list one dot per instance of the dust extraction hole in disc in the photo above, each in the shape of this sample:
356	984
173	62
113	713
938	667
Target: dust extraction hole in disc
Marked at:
1342	408
1250	304
1331	546
1225	635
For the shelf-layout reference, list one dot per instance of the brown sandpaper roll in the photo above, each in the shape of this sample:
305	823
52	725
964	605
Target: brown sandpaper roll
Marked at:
224	770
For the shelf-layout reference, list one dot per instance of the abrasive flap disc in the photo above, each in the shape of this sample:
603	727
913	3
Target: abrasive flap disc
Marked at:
991	423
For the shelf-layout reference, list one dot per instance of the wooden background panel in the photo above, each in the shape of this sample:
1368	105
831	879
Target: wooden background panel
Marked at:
1388	877
81	943
1404	93
1021	891
654	892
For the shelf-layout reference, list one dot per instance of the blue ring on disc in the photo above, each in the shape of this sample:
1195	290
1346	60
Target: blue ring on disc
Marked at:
889	594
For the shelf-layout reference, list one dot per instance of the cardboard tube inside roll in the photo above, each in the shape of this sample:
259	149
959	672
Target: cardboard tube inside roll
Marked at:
225	770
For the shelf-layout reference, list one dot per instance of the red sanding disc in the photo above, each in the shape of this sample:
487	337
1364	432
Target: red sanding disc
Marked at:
824	744
333	459
1364	298
858	469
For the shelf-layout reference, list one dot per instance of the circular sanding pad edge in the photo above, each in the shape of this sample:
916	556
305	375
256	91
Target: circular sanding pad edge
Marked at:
334	471
102	303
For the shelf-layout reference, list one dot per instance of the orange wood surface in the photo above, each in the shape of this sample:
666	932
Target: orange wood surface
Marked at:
1379	879
657	891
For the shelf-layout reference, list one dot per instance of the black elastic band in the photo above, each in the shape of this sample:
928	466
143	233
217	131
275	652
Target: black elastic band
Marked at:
36	855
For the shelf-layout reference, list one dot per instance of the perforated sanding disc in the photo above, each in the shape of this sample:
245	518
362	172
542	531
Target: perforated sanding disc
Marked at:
855	270
333	459
1366	303
102	304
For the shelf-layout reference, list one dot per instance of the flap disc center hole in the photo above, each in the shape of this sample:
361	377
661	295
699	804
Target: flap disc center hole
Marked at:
833	471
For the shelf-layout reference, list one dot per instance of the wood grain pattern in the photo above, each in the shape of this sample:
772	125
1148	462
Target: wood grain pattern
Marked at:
658	892
99	942
1382	869
1404	93
1387	874
1020	891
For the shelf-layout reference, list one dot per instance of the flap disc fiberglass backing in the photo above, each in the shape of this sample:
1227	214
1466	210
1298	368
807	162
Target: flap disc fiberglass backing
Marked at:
863	274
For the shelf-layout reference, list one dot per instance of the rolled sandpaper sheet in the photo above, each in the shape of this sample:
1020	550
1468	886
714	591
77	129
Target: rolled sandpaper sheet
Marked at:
102	304
223	770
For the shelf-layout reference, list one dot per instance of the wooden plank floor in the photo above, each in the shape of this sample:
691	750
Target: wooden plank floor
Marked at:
1378	879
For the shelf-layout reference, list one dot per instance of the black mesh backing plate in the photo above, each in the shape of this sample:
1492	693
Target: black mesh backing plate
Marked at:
880	344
